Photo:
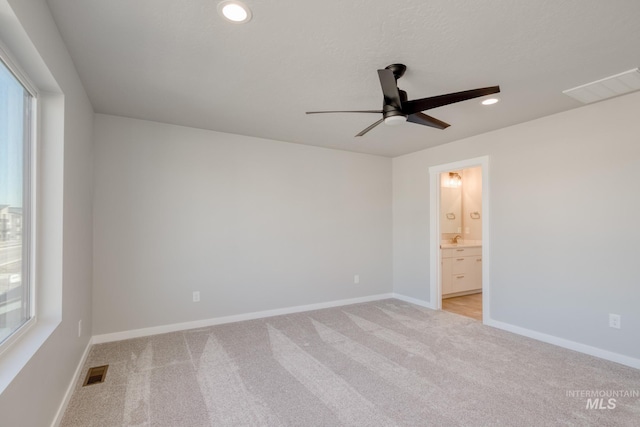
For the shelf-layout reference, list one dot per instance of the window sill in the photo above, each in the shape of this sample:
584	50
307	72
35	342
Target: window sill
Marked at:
16	357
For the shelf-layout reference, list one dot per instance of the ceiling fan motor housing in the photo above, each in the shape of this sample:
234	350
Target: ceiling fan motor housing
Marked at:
397	70
391	111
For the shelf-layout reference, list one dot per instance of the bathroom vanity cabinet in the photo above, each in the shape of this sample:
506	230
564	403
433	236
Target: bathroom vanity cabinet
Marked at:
461	270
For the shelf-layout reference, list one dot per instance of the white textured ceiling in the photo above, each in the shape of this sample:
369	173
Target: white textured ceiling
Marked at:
177	61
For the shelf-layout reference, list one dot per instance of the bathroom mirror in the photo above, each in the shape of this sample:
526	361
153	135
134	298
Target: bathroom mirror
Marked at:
450	203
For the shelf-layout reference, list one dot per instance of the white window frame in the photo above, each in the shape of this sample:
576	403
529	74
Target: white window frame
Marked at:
29	187
47	197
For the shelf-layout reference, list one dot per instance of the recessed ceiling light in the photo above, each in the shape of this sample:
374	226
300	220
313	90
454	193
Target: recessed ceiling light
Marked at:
234	11
490	101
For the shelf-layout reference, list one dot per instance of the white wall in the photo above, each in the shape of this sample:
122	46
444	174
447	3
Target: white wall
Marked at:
564	230
471	203
252	224
35	395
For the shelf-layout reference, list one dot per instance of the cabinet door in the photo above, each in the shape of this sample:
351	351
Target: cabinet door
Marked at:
460	264
476	269
446	276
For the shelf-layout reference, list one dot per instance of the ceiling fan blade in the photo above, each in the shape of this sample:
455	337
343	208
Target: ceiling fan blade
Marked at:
352	111
423	119
417	105
389	88
370	127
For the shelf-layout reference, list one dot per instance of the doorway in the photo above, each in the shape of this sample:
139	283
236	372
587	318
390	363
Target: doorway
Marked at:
459	239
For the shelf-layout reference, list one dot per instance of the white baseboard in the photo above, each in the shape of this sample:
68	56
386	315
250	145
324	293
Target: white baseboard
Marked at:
571	345
72	385
550	339
155	330
416	301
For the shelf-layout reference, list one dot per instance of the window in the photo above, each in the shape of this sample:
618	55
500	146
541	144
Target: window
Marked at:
16	103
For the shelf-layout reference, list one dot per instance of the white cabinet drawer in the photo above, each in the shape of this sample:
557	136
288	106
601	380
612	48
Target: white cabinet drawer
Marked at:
460	265
461	282
465	282
458	252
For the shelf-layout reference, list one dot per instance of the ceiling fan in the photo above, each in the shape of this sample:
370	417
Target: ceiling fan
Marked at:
397	108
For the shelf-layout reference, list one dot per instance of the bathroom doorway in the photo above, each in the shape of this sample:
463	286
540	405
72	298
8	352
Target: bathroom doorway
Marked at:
461	241
459	231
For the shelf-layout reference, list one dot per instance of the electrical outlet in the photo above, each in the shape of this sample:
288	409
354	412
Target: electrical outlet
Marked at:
79	328
614	321
356	279
196	296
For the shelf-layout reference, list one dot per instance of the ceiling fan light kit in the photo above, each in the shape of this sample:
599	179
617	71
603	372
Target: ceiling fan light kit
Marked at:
397	108
395	120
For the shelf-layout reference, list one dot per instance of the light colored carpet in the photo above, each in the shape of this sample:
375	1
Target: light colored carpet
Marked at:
382	363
